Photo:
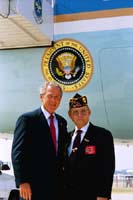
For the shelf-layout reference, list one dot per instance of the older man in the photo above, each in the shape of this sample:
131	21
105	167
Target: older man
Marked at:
90	162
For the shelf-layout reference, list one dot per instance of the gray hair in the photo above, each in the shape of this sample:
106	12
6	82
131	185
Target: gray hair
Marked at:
43	88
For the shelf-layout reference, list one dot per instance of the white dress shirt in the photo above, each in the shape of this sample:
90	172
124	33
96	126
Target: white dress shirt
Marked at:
84	129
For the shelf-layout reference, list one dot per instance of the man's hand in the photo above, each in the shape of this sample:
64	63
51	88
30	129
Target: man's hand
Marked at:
102	198
25	191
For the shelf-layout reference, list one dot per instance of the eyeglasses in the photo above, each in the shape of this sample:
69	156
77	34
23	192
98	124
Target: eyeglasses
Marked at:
81	112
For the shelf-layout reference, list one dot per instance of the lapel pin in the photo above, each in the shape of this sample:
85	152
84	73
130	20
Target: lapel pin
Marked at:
86	140
74	150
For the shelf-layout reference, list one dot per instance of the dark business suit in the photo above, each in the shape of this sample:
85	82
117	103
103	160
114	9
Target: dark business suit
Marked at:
33	155
91	173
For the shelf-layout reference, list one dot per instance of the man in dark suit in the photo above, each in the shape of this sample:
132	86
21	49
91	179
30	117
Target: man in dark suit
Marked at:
90	160
37	159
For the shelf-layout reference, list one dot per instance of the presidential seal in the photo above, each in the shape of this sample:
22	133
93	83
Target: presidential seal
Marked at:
69	63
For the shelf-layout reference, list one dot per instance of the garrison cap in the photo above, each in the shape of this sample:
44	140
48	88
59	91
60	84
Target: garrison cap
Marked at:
78	101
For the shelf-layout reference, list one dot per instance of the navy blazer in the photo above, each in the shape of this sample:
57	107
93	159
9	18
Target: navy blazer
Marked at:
90	175
33	155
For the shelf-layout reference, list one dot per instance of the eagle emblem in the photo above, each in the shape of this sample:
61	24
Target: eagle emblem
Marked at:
66	65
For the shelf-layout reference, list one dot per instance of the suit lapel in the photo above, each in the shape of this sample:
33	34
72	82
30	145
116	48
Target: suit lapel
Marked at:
44	127
44	122
60	131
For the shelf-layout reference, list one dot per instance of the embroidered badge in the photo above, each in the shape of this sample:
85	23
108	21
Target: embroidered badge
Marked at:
89	150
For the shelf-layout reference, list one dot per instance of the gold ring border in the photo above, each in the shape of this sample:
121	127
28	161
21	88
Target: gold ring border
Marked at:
67	42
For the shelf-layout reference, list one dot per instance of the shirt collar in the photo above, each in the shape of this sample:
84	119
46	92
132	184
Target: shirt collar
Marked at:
84	128
45	112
